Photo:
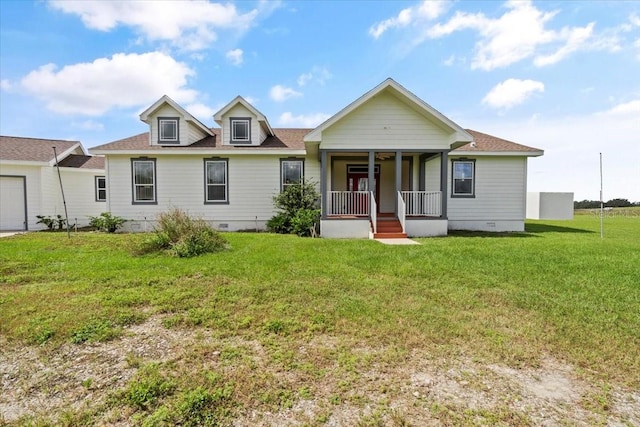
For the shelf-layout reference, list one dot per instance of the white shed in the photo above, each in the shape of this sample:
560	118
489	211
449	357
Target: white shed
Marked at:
558	206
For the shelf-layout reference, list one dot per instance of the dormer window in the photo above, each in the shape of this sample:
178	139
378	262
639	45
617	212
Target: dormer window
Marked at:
240	130
168	130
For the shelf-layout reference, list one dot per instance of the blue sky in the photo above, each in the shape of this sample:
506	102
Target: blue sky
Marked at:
561	76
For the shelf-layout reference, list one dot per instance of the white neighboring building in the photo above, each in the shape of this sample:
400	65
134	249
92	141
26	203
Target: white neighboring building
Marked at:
430	175
29	183
557	206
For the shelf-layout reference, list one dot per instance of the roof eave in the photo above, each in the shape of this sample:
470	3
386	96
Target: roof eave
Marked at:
498	153
65	153
208	151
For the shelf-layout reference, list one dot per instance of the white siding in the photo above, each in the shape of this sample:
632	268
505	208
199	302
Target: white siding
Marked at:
432	174
79	192
45	198
385	122
188	132
500	191
239	110
253	180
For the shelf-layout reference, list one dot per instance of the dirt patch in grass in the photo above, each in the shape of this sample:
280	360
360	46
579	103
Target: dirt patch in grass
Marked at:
322	380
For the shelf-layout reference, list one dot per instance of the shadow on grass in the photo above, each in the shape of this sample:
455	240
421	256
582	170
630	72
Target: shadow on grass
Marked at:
469	233
545	228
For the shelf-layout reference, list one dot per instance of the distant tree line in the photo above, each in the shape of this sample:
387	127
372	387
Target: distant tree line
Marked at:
613	203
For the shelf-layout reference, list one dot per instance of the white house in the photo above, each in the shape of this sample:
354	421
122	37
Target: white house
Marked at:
429	174
30	186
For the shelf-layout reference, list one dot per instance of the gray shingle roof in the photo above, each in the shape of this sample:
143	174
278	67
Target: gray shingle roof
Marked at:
31	149
489	143
293	138
283	138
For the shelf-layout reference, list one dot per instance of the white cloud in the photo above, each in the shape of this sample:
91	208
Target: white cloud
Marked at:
6	85
317	74
190	25
575	39
302	120
122	81
511	92
91	125
202	112
251	100
629	109
304	79
281	93
235	56
520	33
425	11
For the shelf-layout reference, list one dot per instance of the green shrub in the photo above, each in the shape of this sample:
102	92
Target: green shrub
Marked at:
297	205
106	222
52	223
279	223
304	221
182	236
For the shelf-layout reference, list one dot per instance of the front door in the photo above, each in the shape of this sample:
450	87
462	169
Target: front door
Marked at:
358	180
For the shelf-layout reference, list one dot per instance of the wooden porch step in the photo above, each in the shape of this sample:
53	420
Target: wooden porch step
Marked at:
390	235
389	228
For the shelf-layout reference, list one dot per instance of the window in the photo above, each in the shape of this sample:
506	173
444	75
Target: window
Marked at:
144	180
168	130
463	178
101	189
241	130
291	172
215	185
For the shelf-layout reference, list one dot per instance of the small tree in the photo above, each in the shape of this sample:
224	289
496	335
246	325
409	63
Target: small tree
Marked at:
106	222
298	209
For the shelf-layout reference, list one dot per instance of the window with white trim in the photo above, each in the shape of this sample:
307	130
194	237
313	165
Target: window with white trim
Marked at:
241	130
291	172
216	183
168	130
463	178
144	180
101	189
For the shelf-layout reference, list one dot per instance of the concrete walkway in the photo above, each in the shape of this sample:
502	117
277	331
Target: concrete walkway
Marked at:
397	241
9	233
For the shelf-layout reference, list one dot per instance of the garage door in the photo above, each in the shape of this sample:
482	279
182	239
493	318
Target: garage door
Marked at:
12	203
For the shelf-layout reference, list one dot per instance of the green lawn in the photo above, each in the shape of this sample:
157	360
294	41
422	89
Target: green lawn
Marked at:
557	289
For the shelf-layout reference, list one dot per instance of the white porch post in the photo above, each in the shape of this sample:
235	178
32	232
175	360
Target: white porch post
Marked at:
398	175
370	172
323	184
444	174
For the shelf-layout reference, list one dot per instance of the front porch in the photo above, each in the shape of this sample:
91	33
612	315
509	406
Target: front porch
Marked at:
407	198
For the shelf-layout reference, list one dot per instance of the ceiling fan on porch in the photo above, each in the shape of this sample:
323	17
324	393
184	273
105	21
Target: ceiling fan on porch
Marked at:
383	156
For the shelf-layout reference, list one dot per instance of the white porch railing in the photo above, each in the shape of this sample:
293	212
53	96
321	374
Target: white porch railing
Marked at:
423	203
355	203
402	211
374	212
